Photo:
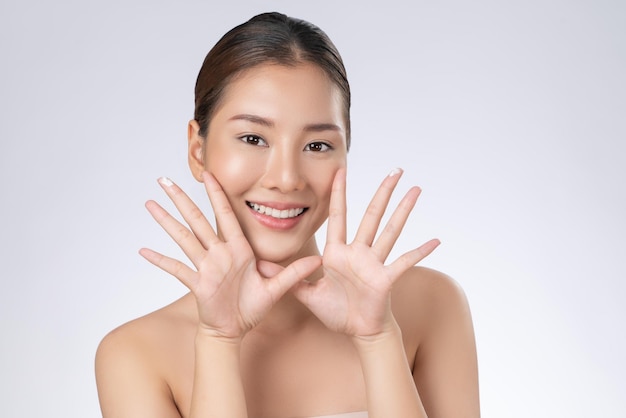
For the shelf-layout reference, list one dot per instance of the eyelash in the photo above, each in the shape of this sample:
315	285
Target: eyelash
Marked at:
325	147
260	142
253	140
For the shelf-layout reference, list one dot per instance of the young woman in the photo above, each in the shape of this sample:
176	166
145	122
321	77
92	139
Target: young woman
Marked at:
272	326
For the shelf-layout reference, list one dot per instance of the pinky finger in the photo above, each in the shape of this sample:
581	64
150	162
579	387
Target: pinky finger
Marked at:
174	267
411	258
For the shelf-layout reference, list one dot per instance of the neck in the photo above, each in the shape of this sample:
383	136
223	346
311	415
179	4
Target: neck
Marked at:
286	316
308	249
289	313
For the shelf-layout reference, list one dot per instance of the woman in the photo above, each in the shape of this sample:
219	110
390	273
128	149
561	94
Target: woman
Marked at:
272	327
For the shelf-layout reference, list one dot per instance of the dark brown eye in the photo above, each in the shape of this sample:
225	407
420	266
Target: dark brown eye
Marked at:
318	147
253	140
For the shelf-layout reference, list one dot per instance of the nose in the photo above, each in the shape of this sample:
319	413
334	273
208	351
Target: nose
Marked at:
283	171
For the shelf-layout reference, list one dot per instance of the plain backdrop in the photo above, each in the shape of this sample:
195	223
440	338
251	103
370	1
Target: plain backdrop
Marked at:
510	114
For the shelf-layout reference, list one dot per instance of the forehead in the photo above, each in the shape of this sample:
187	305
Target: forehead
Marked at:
301	93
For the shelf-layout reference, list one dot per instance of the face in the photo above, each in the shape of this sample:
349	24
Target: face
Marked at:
275	144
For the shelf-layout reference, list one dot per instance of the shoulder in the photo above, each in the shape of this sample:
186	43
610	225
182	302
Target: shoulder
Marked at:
130	366
429	290
434	315
425	299
145	333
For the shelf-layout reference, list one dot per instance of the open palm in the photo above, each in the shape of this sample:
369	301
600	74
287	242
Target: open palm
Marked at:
353	296
231	294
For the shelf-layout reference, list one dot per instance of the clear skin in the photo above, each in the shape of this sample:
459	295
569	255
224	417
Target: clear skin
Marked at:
272	327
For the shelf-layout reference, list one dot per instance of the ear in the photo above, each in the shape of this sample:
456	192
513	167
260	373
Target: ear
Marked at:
196	150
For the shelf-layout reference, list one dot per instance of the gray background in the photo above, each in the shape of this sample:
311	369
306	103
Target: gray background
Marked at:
510	115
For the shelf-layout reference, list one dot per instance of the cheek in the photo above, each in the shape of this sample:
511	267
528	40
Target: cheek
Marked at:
227	165
322	183
233	170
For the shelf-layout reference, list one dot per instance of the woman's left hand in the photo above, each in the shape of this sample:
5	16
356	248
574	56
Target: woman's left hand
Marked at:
353	295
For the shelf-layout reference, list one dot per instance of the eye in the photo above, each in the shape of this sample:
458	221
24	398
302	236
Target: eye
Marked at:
318	147
253	140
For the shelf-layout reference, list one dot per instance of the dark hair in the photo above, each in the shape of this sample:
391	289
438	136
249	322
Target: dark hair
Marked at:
266	38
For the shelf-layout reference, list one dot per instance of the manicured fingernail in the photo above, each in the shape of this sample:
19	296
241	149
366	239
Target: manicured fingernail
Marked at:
395	172
165	181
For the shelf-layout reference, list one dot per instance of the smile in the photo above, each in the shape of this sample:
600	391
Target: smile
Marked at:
276	213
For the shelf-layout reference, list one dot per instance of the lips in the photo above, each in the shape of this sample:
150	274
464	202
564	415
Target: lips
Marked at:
277	212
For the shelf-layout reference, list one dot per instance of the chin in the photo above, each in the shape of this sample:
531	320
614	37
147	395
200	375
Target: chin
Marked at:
276	255
279	251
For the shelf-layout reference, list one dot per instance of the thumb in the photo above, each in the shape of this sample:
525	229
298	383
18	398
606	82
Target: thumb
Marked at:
268	269
292	274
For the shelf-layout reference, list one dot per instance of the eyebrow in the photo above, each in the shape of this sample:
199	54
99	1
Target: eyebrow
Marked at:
320	127
254	119
312	127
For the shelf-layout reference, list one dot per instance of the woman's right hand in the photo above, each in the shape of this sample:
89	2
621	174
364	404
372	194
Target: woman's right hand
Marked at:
231	294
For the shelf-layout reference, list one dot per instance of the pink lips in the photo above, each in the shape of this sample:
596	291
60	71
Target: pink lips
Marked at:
274	222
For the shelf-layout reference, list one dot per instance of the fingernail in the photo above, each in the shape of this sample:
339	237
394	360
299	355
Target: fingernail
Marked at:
165	181
395	172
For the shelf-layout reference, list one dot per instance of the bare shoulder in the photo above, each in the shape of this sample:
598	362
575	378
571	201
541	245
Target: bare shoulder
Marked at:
131	366
423	298
436	324
424	278
145	333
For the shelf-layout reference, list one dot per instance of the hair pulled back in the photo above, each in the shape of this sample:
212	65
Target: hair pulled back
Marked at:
267	38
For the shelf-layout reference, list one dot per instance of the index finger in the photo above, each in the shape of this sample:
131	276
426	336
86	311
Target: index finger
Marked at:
337	209
376	209
190	212
224	214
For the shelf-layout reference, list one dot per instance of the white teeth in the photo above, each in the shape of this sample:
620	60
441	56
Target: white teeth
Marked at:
276	213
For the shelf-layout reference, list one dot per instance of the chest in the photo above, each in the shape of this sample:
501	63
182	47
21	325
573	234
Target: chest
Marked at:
282	377
296	377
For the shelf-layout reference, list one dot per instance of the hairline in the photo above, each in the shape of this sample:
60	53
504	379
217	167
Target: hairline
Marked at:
298	60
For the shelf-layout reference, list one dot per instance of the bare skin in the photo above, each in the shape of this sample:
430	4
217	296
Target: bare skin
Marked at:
273	327
282	368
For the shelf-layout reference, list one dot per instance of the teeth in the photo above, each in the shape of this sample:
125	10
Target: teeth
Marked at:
276	213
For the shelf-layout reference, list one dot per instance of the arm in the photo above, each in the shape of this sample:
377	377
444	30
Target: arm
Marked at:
354	296
217	386
445	369
390	388
230	293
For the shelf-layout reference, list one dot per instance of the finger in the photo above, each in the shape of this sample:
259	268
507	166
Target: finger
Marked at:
268	269
376	209
174	267
337	209
228	224
311	294
193	216
185	239
411	258
392	230
294	273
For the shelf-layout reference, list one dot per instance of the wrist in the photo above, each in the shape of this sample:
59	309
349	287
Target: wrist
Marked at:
206	335
390	334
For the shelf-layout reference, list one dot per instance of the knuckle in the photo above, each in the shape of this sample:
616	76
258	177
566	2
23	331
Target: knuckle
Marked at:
225	208
177	268
195	213
183	233
373	210
392	229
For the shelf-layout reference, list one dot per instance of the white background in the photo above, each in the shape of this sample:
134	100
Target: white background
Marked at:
511	116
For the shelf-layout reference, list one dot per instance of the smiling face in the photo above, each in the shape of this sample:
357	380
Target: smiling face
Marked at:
275	144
